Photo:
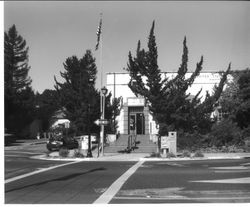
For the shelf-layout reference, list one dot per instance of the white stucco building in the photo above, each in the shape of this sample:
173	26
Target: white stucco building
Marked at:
135	110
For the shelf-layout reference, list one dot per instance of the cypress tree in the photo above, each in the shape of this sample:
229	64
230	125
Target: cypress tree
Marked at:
168	100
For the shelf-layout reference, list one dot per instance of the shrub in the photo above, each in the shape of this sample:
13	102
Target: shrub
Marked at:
155	154
225	133
198	154
77	153
186	154
189	141
47	153
63	152
170	154
246	133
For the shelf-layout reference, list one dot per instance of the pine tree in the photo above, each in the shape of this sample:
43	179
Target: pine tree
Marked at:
15	62
19	96
46	106
79	98
77	94
112	110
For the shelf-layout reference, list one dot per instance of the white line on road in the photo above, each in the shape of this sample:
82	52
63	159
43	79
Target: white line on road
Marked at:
106	197
246	198
230	168
245	180
36	172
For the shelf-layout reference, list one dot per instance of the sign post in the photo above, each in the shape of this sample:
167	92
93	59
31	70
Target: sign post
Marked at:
164	145
102	123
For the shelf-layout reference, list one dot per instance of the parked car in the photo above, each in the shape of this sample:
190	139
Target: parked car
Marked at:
93	137
9	138
55	144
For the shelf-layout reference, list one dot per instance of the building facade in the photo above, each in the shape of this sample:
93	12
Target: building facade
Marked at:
135	115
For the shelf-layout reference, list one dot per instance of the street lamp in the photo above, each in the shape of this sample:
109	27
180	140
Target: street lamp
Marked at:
89	154
104	92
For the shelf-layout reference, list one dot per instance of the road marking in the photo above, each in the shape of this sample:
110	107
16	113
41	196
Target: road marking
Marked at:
36	172
231	171
246	163
230	168
181	194
245	180
245	198
107	196
172	164
20	152
17	156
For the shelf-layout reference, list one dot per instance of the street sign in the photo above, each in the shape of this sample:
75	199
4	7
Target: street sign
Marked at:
66	125
164	142
100	122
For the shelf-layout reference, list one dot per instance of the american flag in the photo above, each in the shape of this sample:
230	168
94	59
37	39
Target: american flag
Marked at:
98	33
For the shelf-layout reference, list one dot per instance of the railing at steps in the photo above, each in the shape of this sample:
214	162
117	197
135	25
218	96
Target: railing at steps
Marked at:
131	142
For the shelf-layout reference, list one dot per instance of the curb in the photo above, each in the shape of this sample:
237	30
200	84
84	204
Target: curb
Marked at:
35	143
121	159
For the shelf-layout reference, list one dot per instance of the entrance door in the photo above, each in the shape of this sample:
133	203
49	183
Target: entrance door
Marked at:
132	123
140	123
136	123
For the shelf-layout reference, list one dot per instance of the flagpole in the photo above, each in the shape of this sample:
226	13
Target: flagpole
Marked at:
102	96
101	57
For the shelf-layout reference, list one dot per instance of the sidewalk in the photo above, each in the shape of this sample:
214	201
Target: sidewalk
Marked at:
144	157
132	156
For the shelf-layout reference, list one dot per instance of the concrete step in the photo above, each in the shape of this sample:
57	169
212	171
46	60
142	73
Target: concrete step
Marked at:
144	145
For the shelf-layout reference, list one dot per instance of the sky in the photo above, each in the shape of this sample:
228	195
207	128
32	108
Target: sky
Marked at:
54	31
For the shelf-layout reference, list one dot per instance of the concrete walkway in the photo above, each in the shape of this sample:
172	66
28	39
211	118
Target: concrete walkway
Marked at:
143	156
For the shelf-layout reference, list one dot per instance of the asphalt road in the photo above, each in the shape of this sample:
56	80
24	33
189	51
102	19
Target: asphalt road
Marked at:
64	182
18	161
152	182
78	183
211	181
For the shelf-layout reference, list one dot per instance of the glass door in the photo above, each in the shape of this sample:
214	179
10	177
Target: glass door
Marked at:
132	123
140	123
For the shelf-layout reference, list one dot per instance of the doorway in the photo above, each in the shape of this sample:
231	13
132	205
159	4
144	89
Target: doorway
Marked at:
136	123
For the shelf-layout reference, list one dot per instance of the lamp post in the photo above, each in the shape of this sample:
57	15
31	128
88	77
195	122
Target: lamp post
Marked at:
104	91
89	154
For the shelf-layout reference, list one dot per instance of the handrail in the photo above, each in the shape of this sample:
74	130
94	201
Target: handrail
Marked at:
131	142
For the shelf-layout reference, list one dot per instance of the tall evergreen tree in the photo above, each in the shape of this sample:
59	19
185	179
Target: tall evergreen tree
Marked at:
168	100
46	105
18	97
15	62
243	111
77	94
203	110
235	100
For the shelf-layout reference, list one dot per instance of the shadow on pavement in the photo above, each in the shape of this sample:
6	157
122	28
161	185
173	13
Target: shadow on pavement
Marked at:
67	177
